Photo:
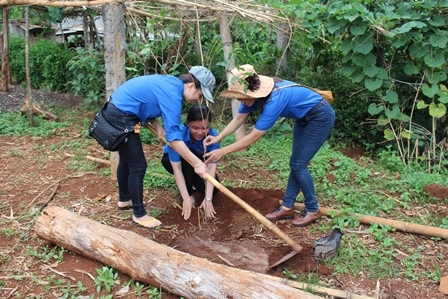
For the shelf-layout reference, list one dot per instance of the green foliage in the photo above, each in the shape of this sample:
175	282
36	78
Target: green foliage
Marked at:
15	124
87	72
106	278
48	62
387	47
47	253
17	58
69	292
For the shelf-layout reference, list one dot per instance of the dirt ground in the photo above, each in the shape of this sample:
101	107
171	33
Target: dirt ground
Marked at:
30	172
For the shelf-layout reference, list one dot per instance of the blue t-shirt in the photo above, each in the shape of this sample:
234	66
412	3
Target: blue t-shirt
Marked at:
197	147
150	97
291	102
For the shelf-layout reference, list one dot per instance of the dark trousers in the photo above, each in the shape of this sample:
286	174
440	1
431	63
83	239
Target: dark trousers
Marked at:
191	178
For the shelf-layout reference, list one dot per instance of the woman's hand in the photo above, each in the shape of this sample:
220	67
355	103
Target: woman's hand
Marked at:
211	140
187	205
213	156
201	170
209	210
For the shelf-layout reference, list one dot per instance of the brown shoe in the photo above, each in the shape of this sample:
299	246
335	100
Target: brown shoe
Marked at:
306	218
280	214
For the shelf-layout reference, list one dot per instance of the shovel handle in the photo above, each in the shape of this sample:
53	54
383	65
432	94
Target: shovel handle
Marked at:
295	246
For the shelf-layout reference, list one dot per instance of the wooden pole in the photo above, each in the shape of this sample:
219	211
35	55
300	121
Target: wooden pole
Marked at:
98	160
296	247
403	226
159	265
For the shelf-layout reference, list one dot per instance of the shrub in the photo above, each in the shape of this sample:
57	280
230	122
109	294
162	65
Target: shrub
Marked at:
87	71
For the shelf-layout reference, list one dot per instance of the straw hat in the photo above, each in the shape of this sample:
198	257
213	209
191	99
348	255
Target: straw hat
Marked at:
246	83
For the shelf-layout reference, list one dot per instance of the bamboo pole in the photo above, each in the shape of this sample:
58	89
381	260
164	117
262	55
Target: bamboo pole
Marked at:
98	160
295	246
319	290
403	226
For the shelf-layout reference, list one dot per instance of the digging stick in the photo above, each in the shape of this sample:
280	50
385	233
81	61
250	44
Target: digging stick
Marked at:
295	246
403	226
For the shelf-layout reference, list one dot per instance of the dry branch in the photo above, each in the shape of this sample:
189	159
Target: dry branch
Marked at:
37	111
156	264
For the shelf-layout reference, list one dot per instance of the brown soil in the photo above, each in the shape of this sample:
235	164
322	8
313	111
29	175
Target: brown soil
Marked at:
30	170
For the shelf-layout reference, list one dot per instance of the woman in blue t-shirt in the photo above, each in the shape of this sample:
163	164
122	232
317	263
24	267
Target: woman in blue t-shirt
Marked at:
196	128
145	99
314	119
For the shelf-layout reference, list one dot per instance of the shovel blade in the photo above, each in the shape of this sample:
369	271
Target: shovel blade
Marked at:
283	259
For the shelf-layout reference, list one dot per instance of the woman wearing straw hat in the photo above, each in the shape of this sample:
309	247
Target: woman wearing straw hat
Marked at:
313	118
144	99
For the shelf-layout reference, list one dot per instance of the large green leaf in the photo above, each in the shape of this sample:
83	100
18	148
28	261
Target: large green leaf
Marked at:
406	134
437	21
437	110
391	97
395	113
430	91
435	59
383	120
363	60
357	76
417	50
358	30
436	77
373	84
439	41
335	25
375	109
421	104
364	46
348	69
347	45
406	27
410	68
388	134
370	71
443	94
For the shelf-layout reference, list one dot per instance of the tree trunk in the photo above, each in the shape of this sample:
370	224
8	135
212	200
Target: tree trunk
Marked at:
27	66
114	55
6	70
156	264
226	38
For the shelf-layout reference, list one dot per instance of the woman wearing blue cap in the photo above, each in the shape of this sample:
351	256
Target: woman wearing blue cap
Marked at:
144	99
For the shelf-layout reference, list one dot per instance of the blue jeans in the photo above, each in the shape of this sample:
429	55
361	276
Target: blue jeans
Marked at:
132	163
309	134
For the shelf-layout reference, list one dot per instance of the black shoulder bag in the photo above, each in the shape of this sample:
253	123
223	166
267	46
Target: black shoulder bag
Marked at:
109	136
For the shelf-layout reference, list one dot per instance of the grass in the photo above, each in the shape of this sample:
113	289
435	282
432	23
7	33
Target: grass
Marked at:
381	187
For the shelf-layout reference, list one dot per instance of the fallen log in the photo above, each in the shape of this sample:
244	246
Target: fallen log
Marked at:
403	226
156	264
37	111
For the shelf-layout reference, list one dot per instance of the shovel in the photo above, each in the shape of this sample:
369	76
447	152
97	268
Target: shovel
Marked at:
295	246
